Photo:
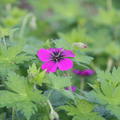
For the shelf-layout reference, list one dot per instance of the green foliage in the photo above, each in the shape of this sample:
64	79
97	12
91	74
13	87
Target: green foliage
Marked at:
82	110
83	58
28	25
113	48
79	60
59	82
110	17
20	95
13	17
35	76
59	44
10	57
13	54
57	97
76	35
4	32
67	10
107	91
7	1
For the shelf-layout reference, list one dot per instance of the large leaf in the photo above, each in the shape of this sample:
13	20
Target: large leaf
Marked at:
107	91
20	95
82	110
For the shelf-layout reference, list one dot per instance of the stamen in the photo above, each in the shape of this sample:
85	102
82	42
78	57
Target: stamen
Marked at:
56	56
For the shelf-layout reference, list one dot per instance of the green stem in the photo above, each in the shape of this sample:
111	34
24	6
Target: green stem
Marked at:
13	113
49	94
109	64
22	30
4	42
109	4
51	108
82	84
53	113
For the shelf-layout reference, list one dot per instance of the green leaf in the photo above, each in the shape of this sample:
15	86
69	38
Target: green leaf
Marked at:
114	110
27	108
39	78
82	58
76	35
113	48
35	76
81	110
10	58
61	43
112	77
20	95
107	91
59	82
17	83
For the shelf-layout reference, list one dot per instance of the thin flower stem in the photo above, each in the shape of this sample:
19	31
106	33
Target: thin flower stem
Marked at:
53	113
50	94
51	108
109	64
13	113
11	36
4	42
22	30
82	84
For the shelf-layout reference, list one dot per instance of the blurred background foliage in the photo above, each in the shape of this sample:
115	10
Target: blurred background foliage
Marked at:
93	22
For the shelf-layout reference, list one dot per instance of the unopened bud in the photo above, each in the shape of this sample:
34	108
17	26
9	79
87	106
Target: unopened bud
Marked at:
54	116
80	45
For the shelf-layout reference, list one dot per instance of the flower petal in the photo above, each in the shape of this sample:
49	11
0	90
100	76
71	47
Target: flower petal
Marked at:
65	64
86	72
71	88
77	72
43	55
68	53
50	66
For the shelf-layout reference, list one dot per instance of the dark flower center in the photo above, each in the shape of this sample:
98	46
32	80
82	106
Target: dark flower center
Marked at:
57	56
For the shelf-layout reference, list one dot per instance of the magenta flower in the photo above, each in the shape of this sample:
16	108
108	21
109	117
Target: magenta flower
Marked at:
55	58
87	72
72	88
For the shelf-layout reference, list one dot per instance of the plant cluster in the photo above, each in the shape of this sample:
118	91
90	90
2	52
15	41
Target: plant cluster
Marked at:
59	60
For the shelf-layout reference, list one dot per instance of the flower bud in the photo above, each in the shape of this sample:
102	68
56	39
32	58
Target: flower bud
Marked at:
80	45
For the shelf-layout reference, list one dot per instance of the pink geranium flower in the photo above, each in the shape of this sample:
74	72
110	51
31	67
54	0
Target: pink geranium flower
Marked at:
71	88
55	58
86	72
